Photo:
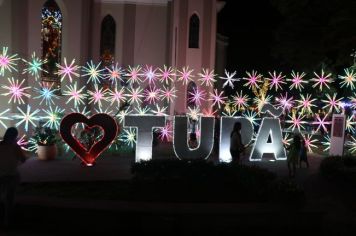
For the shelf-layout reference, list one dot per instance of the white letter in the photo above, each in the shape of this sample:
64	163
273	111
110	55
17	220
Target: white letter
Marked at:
144	137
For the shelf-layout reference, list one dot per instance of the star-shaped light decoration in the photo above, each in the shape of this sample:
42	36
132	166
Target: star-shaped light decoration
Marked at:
197	96
150	74
68	70
117	96
285	102
194	113
46	93
309	142
16	91
306	103
185	75
348	79
321	122
229	79
152	95
240	100
217	98
332	103
166	132
134	74
97	96
27	117
7	62
128	136
168	94
253	79
207	77
134	95
53	117
95	74
276	80
297	81
75	94
322	80
166	75
296	122
114	74
34	66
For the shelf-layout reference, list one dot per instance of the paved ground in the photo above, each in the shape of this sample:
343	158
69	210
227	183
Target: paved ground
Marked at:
330	208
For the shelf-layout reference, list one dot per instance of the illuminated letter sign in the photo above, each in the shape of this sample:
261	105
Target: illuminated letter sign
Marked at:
270	127
180	141
226	126
144	125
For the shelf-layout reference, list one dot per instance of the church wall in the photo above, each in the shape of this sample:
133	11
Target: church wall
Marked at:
5	41
150	35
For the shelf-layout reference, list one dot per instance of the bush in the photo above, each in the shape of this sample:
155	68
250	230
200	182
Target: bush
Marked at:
177	180
339	167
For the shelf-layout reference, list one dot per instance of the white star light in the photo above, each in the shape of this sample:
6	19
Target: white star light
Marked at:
348	79
26	117
229	79
276	80
93	71
75	94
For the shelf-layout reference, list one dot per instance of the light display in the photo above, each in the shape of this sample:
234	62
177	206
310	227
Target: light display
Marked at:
144	124
180	139
152	91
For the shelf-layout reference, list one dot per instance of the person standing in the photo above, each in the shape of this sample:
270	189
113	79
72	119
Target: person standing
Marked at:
293	155
236	146
11	156
303	156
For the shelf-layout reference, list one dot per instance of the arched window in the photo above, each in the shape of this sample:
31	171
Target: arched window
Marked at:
191	88
194	24
107	40
51	32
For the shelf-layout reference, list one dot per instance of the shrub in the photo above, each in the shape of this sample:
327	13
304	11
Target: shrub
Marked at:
177	180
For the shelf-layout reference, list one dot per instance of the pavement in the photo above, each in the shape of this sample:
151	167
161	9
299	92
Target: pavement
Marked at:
330	207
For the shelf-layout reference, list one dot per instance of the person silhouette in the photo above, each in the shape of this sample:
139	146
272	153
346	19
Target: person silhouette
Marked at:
11	156
293	155
236	146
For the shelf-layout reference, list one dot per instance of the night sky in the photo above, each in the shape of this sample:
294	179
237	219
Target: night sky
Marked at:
283	35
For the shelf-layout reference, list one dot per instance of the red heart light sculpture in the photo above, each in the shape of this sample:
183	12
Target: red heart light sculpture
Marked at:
107	124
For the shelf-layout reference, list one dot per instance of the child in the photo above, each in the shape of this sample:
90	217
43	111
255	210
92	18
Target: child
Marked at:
303	155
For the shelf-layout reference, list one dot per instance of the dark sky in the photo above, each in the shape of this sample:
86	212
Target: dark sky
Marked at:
282	35
250	27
